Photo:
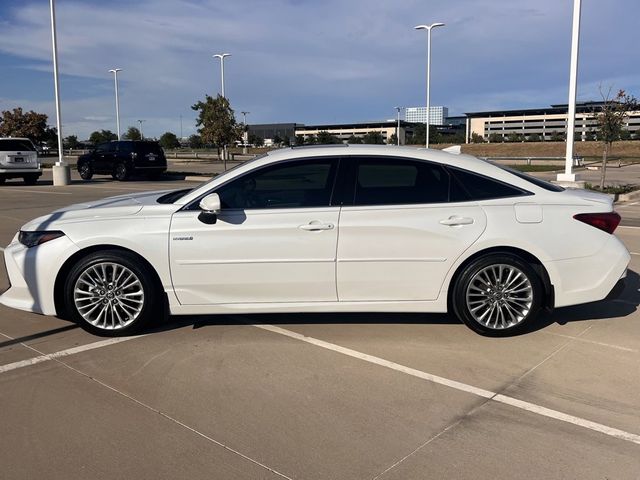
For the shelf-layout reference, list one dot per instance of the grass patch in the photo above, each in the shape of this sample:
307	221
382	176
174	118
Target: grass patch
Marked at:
612	189
535	168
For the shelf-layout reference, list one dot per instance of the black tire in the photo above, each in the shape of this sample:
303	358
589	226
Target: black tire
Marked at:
124	312
2	180
31	179
513	301
121	172
85	170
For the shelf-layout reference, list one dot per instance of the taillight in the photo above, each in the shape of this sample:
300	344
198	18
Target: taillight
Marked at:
607	222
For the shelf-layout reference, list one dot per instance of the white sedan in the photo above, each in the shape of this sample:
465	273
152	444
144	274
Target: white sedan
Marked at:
325	229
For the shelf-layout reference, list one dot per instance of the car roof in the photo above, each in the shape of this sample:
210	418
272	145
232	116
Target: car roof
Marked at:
463	161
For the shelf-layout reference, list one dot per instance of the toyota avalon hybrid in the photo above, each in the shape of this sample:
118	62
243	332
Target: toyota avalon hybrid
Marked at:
325	229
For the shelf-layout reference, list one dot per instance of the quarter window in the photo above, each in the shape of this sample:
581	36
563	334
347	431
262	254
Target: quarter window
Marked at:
480	187
292	185
395	182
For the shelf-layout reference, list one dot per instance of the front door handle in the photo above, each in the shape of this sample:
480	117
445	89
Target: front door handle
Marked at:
316	225
454	221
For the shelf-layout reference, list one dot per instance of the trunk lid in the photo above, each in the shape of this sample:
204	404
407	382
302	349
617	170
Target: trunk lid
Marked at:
17	153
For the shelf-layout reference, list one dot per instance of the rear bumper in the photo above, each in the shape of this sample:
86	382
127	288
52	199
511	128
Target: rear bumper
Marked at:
19	172
592	278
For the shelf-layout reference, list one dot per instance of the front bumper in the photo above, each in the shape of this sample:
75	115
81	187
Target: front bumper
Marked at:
32	273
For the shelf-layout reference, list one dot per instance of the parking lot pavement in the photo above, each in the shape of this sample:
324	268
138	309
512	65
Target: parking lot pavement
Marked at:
388	396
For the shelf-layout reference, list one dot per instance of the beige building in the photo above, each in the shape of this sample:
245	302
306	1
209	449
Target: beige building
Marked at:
344	131
544	122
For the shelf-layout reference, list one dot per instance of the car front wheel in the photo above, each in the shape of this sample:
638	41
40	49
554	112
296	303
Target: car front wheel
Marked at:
111	293
498	295
30	179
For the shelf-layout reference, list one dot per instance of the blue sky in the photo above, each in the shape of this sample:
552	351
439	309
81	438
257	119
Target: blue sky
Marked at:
306	61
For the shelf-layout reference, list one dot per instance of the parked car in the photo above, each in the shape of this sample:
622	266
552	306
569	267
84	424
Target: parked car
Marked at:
19	159
325	229
122	159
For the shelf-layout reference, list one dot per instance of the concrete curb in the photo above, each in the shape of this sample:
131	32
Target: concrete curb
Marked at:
193	178
628	197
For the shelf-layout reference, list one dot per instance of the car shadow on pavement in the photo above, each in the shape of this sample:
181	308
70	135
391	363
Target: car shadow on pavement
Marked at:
624	305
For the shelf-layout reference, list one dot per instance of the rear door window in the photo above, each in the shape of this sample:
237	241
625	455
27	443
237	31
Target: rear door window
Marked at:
479	187
392	181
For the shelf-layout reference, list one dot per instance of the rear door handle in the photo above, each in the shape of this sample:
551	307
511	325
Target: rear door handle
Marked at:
455	221
316	225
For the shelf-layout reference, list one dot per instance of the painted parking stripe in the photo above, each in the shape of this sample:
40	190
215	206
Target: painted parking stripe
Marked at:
494	396
11	189
63	353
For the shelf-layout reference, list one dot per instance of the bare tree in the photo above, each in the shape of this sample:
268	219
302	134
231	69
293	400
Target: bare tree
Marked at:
611	119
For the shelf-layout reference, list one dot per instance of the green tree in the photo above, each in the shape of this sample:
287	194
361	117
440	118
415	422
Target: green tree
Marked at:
495	138
195	141
277	140
534	137
169	141
373	138
558	136
393	140
476	138
325	138
299	139
132	133
311	140
32	125
256	140
353	140
102	136
216	121
71	142
515	137
611	119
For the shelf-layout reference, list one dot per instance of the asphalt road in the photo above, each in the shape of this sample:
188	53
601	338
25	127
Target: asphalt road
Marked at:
358	396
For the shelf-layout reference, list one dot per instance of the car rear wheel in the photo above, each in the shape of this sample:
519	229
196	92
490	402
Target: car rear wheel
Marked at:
85	170
121	172
498	295
111	293
30	179
2	180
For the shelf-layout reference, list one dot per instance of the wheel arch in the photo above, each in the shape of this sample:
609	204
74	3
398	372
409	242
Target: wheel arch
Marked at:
65	269
536	264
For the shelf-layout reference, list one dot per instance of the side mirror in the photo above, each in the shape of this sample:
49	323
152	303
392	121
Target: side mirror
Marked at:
210	206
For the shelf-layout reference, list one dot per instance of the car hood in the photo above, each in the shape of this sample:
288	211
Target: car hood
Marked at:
118	206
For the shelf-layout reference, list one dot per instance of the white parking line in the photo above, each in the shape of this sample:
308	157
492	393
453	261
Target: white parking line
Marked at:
62	353
496	397
11	189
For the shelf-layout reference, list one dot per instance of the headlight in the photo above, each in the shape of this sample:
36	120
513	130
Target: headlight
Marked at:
31	239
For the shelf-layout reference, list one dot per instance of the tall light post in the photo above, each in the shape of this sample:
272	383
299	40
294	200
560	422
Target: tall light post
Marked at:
115	81
428	28
61	171
222	56
568	176
141	134
245	138
398	127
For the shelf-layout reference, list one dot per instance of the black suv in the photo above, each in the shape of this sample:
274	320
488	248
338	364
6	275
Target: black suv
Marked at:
122	159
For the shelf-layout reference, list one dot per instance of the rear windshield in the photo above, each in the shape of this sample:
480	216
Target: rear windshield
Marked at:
531	179
147	147
11	145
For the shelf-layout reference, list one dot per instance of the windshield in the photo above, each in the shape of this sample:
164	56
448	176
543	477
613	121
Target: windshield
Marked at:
171	197
224	174
12	145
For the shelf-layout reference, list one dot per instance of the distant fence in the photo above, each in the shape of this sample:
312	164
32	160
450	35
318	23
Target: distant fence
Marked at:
577	161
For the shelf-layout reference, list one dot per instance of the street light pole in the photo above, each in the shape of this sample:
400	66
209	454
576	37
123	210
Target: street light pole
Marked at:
61	171
428	28
398	127
141	134
222	56
568	176
246	132
115	80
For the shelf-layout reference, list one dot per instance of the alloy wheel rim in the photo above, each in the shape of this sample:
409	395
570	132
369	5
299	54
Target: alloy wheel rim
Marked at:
499	296
108	295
